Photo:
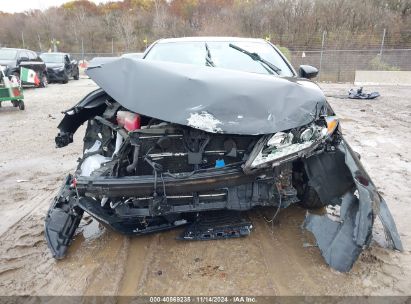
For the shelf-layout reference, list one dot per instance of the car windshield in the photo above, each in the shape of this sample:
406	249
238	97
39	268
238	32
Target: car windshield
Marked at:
52	58
6	54
222	55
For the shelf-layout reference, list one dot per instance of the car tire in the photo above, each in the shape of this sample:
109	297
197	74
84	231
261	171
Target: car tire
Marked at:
43	81
66	79
21	105
77	76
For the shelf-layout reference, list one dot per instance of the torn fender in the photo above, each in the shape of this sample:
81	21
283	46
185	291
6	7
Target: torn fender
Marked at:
342	240
91	105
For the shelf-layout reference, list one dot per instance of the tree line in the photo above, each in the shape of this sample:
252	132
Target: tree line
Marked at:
131	25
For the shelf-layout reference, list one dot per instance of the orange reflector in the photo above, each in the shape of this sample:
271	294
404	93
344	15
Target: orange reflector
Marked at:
332	123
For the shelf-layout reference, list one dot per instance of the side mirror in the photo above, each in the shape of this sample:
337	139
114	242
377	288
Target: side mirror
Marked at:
307	71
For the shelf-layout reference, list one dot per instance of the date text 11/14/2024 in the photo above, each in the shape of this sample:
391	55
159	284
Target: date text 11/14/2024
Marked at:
204	299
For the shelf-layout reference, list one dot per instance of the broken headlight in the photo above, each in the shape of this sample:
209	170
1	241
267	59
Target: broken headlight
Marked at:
293	143
332	124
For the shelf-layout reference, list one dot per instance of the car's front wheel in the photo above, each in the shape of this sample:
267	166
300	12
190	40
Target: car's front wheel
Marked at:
77	75
43	81
309	198
65	79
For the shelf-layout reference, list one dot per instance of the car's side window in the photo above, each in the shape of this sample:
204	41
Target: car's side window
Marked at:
32	56
24	55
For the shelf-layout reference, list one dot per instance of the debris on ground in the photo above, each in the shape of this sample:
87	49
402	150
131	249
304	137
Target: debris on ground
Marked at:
217	225
356	94
360	94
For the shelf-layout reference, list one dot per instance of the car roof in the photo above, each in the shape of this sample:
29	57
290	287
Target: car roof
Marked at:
210	38
5	48
58	53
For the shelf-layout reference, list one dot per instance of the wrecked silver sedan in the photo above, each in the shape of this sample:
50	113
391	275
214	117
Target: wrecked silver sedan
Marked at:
168	142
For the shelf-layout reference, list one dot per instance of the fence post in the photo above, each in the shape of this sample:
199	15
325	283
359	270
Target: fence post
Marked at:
321	56
38	37
82	50
22	39
382	43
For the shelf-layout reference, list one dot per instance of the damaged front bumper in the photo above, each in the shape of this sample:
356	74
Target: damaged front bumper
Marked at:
56	75
62	219
338	177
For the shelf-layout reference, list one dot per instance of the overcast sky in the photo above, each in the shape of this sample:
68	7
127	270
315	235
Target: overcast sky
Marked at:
17	6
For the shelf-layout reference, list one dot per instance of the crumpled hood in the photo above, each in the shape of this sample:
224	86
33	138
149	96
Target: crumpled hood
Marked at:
211	99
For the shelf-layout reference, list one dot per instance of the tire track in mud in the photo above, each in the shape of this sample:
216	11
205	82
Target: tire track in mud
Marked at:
285	256
137	264
22	243
160	264
27	206
295	268
109	266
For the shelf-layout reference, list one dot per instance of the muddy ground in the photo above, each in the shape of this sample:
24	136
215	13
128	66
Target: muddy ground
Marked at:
274	260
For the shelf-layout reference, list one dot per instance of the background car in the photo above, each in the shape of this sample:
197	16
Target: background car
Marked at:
11	60
60	67
133	55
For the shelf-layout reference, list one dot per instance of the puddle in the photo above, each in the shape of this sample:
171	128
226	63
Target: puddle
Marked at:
92	230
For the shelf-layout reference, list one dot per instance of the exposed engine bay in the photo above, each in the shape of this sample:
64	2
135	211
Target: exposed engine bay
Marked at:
141	174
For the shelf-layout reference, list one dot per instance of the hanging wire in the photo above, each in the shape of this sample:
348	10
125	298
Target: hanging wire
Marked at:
277	211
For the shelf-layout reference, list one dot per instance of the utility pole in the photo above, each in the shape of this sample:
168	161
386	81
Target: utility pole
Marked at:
22	39
38	37
55	42
82	49
321	56
382	43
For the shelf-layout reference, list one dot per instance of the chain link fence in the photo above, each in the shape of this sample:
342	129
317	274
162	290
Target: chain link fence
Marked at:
334	65
89	56
340	65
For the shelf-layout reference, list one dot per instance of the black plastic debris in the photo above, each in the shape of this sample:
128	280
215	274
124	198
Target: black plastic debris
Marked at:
360	94
217	225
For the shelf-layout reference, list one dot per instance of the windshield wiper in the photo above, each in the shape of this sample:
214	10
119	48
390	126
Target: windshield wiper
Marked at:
256	57
209	61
